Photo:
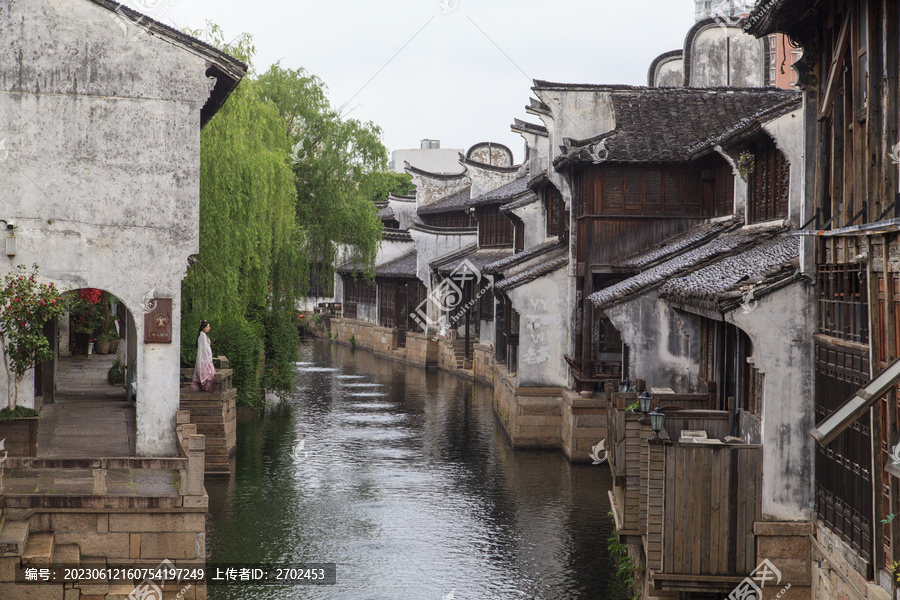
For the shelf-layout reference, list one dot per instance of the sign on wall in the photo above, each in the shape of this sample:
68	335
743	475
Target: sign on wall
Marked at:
158	322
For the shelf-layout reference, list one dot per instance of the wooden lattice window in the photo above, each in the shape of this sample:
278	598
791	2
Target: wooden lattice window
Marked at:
769	185
844	498
494	229
457	219
843	302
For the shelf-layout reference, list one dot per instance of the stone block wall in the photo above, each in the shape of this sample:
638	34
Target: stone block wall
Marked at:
531	417
483	363
583	424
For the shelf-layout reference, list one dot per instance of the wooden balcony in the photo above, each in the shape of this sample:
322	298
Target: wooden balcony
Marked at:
691	505
702	503
589	374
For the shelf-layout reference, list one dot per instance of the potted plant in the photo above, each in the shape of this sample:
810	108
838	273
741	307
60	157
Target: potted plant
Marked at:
104	342
25	306
746	163
85	314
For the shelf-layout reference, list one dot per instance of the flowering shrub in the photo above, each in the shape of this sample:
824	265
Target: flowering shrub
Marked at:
25	306
90	295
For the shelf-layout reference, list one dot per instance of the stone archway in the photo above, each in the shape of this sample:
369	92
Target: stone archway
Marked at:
88	408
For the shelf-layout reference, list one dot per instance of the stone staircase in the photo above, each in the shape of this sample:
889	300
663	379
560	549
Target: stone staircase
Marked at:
463	360
215	415
21	548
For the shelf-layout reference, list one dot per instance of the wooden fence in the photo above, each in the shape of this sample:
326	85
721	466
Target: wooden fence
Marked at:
711	498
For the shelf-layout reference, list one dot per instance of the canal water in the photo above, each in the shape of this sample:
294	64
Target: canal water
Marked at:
403	478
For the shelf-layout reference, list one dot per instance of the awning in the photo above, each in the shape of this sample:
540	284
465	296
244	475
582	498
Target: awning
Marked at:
826	431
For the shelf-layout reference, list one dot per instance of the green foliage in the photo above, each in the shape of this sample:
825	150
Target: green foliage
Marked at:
378	186
337	164
625	564
116	373
19	412
281	341
353	340
632	407
283	178
25	306
242	341
317	319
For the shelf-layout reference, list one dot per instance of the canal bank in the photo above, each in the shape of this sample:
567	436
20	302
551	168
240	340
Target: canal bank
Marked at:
408	484
530	416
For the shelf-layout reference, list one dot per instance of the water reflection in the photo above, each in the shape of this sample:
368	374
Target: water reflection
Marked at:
412	490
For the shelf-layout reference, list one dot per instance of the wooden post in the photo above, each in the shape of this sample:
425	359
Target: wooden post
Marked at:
656	479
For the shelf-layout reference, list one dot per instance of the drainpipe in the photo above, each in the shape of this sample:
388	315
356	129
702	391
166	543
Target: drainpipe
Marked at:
737	382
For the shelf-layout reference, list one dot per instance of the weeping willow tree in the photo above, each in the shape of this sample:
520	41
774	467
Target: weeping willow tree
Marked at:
242	280
284	182
335	161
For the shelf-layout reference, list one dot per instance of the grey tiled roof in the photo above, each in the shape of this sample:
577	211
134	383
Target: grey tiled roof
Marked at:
453	202
403	266
674	124
386	213
680	264
505	193
531	274
715	287
525	200
479	258
541	130
684	241
390	234
516	259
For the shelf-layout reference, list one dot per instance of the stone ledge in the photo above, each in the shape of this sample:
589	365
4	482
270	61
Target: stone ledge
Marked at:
783	528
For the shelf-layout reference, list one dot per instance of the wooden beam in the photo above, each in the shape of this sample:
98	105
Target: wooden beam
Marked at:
837	63
857	405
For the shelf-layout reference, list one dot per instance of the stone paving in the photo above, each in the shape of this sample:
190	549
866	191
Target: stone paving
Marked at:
89	417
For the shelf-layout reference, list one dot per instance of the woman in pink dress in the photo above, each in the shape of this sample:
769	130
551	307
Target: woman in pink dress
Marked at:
204	371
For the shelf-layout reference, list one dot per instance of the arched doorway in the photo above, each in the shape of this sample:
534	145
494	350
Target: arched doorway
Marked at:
88	400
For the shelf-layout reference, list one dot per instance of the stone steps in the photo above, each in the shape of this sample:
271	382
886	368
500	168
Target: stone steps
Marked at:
13	537
67	554
38	550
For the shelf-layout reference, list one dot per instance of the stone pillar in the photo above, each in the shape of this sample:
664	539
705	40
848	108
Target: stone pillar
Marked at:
63	345
786	544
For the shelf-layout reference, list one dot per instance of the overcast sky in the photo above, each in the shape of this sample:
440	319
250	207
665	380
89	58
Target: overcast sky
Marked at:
455	70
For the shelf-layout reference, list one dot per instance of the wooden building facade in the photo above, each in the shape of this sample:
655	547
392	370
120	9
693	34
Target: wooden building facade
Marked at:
849	74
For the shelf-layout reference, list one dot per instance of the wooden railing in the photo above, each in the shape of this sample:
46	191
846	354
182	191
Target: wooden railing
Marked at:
702	503
594	372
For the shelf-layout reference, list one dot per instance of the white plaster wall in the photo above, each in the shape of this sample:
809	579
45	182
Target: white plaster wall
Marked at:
663	343
102	176
717	63
431	246
404	211
485	180
780	328
670	73
787	131
390	250
543	330
534	218
430	189
433	160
